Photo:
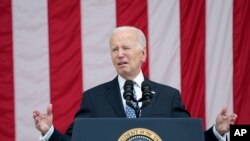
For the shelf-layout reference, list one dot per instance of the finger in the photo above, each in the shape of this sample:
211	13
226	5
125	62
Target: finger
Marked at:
36	120
231	122
36	114
224	110
49	110
235	116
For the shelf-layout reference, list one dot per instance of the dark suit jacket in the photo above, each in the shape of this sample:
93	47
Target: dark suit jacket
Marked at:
105	101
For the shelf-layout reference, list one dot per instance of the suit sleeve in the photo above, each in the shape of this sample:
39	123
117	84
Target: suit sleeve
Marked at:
178	109
83	112
209	135
57	136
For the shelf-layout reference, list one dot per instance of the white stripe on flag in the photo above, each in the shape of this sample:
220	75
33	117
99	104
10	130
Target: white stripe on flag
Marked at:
164	42
98	20
218	58
31	71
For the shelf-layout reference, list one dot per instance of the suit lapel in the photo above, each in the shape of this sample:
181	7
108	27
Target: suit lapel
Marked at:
114	97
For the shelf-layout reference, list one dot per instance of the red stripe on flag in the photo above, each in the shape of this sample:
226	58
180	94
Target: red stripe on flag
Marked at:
65	60
134	13
192	14
7	118
241	60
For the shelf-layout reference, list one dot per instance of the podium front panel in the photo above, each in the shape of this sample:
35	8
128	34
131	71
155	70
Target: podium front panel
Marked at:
145	129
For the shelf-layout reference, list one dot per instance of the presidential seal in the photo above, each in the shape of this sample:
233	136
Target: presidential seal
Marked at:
139	134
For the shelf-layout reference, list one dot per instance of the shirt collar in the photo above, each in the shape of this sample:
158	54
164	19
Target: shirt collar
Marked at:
138	79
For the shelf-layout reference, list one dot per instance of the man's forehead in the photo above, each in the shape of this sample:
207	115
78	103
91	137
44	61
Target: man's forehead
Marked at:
124	40
124	35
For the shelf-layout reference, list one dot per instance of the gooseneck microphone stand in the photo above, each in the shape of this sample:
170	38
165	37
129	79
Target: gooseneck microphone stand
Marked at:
130	99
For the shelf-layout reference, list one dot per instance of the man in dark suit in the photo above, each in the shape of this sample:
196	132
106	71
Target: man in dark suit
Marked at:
128	53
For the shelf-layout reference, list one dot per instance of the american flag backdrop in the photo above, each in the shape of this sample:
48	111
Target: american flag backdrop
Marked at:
53	50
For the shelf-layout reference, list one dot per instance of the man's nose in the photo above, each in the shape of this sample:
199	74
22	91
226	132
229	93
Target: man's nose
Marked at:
120	53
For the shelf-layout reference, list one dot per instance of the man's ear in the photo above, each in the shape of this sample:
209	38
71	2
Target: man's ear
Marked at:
144	54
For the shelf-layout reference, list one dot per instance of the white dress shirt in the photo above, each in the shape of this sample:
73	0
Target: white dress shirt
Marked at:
137	87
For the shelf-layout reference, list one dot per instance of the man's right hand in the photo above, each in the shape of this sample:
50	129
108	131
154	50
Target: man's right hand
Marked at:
43	122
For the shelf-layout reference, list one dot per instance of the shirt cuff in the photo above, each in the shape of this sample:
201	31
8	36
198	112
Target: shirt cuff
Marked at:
47	135
217	135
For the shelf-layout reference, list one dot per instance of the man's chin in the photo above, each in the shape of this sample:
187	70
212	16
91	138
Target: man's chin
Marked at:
124	74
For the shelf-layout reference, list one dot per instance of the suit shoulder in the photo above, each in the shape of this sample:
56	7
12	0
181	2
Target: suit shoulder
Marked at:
164	87
99	88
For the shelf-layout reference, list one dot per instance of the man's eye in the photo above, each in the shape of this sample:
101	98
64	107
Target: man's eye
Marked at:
126	48
115	49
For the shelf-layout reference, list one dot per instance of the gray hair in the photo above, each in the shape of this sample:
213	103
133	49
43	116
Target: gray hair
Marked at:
141	39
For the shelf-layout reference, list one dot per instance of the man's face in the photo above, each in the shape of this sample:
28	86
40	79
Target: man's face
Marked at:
126	57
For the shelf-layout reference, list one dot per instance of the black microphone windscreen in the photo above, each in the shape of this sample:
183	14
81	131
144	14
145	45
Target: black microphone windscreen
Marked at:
128	83
145	85
128	89
146	90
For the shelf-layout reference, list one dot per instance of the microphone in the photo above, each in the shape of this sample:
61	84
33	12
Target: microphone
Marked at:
128	94
146	94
